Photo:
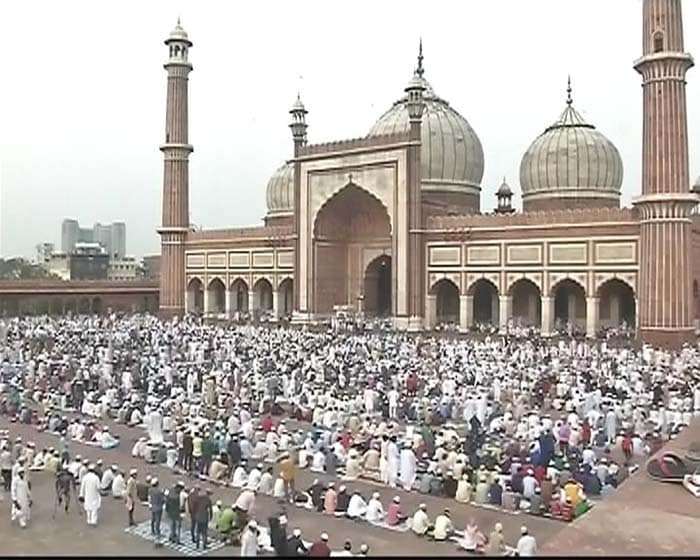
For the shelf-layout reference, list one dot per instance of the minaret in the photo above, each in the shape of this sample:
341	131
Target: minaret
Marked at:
176	151
416	248
298	127
665	295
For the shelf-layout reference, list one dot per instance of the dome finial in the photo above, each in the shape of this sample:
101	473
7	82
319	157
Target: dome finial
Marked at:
178	20
569	101
419	69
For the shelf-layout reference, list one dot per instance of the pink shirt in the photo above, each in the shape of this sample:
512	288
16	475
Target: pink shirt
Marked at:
393	514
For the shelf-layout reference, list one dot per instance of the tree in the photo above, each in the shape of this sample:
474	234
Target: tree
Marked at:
21	269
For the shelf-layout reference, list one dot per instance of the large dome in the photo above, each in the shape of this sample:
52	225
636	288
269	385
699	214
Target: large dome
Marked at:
570	163
280	191
452	158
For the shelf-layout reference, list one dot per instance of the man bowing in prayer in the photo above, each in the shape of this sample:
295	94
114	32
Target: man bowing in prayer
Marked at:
90	495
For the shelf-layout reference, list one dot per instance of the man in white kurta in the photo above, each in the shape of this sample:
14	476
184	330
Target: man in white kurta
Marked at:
90	495
21	498
392	452
408	468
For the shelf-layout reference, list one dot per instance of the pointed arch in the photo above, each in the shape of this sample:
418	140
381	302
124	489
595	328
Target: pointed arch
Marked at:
216	297
239	295
526	302
569	303
285	291
485	301
617	305
348	223
195	295
262	291
446	294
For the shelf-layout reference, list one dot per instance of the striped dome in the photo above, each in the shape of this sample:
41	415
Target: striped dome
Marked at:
280	191
571	159
452	158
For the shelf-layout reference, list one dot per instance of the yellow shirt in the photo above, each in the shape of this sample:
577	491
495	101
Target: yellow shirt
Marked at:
572	493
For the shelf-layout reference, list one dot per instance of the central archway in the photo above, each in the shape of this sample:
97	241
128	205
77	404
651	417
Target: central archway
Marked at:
377	287
569	304
349	225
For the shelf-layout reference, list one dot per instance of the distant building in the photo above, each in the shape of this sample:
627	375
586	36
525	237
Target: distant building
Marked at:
125	269
43	254
112	237
89	261
59	264
151	267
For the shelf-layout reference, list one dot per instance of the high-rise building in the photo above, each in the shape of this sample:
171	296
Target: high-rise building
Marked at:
112	237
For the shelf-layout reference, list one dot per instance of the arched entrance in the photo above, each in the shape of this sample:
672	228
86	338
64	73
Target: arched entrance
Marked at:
446	302
286	297
569	304
377	289
216	297
97	305
195	296
351	223
485	296
263	295
56	306
527	303
239	295
84	306
616	304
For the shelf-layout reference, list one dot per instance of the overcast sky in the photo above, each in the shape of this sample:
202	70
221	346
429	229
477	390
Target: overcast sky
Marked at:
82	94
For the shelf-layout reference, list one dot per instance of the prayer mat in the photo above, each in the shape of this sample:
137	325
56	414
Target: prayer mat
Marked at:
187	548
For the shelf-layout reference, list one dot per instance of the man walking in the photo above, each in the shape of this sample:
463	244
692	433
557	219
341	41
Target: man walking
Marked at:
21	499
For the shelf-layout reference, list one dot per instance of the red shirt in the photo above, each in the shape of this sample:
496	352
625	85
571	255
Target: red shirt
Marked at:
268	424
319	550
346	440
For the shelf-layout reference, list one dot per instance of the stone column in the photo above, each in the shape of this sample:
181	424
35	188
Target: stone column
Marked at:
205	302
188	303
547	315
615	311
276	303
431	310
571	309
503	313
229	296
252	304
466	304
592	309
532	309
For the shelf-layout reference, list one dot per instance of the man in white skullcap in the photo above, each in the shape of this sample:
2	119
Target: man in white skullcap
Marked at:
527	546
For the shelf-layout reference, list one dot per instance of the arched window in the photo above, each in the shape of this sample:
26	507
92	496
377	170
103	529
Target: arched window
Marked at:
658	42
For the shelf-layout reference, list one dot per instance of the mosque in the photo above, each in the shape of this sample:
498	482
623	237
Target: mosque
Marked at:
390	224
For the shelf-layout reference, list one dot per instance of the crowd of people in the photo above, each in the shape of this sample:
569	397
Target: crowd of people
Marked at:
524	424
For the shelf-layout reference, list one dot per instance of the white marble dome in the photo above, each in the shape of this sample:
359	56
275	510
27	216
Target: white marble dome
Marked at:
452	158
280	191
571	159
